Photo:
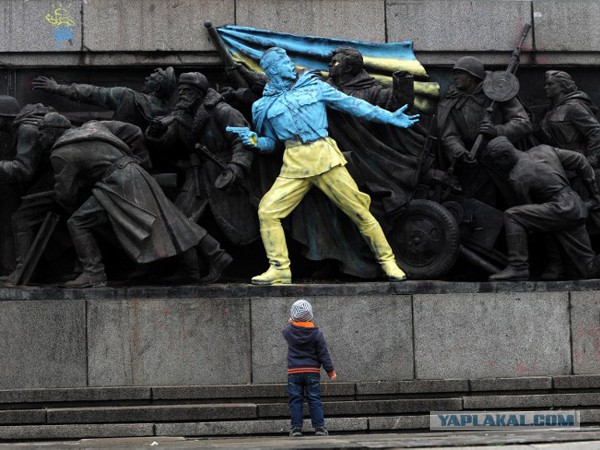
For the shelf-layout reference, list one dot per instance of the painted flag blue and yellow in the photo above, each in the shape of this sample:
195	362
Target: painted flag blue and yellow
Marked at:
247	44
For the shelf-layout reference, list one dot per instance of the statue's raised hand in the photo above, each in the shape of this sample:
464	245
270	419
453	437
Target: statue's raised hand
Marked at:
402	120
45	84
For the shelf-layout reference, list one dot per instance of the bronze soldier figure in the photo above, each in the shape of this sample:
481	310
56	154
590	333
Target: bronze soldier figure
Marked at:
40	199
462	117
147	225
138	108
547	204
571	123
201	117
25	173
347	73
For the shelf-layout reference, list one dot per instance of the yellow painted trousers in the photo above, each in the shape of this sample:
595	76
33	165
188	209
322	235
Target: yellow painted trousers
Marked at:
338	185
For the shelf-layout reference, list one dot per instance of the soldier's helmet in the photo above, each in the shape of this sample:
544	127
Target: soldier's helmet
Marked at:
195	79
9	107
470	65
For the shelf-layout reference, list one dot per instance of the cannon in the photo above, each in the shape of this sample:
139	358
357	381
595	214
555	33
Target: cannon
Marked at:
440	224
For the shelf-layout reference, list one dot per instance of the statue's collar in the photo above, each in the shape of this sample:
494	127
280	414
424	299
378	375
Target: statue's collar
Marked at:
304	79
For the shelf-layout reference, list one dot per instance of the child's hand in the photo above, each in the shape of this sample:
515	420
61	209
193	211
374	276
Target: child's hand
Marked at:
333	376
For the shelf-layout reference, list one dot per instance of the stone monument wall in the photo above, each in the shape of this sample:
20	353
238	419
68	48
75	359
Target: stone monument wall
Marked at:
85	40
220	335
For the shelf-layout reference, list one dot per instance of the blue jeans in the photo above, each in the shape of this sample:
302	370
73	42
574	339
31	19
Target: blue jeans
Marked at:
299	385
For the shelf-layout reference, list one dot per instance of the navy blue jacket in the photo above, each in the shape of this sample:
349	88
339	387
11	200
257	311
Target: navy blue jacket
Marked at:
307	349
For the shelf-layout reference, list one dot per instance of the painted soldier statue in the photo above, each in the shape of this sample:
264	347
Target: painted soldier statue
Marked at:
547	204
462	118
91	159
138	108
293	111
200	117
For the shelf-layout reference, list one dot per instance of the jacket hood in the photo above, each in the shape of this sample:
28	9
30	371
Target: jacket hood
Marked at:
300	335
581	97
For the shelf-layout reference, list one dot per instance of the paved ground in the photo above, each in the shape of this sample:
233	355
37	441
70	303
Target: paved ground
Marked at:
588	439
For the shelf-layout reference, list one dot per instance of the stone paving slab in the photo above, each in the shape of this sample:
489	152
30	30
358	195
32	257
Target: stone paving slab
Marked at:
242	290
531	401
411	387
161	26
370	407
511	384
74	431
255	427
581	440
343	19
165	342
152	413
377	346
585	330
495	335
591	415
43	344
34	26
22	416
244	391
438	25
576	382
399	423
74	395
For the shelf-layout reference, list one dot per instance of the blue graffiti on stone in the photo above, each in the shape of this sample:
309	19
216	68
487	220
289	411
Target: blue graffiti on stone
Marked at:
63	33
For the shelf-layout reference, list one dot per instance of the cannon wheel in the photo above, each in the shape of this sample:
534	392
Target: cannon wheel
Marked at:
426	240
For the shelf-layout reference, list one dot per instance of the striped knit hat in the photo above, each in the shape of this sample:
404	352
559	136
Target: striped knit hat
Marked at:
302	311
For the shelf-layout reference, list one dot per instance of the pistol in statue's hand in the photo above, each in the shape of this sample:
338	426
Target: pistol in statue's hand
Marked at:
402	120
44	84
248	137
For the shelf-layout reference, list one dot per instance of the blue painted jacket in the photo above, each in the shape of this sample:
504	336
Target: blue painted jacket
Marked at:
307	349
299	113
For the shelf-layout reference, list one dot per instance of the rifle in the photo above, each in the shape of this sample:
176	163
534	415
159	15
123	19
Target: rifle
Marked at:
231	68
37	248
511	69
206	152
437	179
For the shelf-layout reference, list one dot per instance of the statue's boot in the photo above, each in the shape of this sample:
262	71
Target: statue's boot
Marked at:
518	266
187	271
218	259
383	252
553	271
554	267
23	242
89	254
279	272
594	268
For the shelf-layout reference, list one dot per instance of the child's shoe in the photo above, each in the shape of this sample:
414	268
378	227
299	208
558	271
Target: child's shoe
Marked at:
296	432
320	431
